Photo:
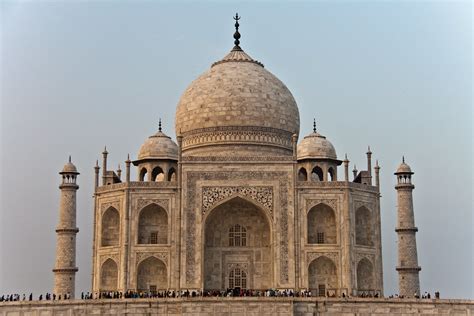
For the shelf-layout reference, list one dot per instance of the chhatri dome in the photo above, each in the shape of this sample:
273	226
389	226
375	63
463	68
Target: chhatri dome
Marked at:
316	146
158	146
238	106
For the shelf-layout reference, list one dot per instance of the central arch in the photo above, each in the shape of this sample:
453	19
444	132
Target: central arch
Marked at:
237	233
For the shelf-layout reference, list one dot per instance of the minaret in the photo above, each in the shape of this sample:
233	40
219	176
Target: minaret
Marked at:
408	269
65	267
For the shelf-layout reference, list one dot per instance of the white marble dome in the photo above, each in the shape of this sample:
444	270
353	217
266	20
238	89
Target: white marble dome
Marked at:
158	146
69	167
237	93
404	168
316	146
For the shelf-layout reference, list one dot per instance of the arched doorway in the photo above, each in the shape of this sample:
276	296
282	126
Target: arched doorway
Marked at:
237	247
110	227
153	225
151	275
364	229
365	277
322	276
321	225
108	276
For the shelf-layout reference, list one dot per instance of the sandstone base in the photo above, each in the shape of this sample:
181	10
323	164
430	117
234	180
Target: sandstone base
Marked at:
240	306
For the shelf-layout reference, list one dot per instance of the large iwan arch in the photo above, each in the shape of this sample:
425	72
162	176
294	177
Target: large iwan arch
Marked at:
237	233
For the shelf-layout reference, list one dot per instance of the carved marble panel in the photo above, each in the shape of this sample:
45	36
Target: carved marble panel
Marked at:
313	202
311	256
262	195
140	256
141	203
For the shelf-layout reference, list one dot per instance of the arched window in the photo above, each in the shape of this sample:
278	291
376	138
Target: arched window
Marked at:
237	236
110	227
172	174
108	276
153	225
321	225
302	175
365	279
151	275
143	174
363	229
317	174
158	174
331	174
322	276
237	278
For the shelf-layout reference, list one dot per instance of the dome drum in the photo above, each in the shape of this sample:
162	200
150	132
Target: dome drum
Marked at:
275	141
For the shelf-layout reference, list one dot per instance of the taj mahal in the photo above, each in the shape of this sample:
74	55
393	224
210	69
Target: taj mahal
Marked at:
238	200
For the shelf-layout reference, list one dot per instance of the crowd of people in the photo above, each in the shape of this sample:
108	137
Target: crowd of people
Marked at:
237	292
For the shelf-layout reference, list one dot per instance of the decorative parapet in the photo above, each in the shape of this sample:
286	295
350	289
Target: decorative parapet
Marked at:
336	184
136	185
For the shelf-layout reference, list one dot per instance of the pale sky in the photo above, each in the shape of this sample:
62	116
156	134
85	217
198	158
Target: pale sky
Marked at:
78	75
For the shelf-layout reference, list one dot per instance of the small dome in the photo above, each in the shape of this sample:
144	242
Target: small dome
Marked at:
316	146
158	146
404	168
69	167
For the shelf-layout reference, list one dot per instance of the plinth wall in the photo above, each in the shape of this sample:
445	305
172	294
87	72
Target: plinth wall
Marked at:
240	306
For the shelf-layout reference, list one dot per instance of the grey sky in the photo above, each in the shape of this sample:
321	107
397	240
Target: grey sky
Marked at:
394	75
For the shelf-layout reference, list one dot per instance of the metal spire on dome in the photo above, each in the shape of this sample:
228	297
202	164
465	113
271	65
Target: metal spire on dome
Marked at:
69	158
314	125
403	159
236	34
159	125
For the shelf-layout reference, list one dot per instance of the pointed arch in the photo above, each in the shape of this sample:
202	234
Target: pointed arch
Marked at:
322	276
152	275
143	174
365	276
157	174
331	174
172	174
321	225
152	225
110	227
317	174
108	276
302	174
364	227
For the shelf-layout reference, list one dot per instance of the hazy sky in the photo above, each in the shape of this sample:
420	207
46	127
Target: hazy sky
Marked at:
394	75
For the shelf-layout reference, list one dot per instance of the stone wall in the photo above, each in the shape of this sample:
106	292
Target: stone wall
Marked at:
240	306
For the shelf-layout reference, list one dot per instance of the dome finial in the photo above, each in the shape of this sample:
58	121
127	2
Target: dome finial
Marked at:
403	159
314	125
69	158
159	125
237	34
